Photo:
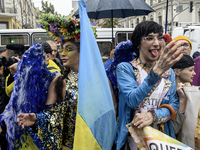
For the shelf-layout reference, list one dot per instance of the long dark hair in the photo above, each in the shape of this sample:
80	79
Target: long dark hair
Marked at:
59	88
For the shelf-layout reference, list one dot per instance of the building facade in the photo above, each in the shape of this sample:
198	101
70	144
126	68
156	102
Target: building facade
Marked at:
17	14
178	14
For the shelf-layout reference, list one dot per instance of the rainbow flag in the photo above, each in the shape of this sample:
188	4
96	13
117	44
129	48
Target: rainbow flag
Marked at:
149	138
95	121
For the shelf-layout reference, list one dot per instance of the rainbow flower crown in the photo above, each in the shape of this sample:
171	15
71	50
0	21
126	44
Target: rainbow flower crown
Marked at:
61	27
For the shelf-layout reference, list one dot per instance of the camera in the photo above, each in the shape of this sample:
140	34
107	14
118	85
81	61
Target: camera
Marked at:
7	61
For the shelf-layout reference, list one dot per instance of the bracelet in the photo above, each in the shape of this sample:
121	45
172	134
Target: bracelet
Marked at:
181	112
155	117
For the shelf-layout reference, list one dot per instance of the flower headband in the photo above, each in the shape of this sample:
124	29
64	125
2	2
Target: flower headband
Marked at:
61	27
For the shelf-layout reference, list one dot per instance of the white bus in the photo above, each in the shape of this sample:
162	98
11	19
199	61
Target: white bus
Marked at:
30	36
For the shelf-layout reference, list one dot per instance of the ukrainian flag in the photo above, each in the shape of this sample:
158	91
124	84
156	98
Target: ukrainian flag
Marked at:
95	121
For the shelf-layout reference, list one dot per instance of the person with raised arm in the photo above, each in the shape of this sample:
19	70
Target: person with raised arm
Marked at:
147	86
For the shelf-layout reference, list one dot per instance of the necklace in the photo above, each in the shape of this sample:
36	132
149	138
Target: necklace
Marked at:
73	76
144	66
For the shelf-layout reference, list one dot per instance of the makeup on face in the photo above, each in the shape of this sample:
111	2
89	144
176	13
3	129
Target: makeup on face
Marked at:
68	49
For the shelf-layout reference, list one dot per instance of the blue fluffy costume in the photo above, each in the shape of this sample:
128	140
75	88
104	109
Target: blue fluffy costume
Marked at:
29	92
124	52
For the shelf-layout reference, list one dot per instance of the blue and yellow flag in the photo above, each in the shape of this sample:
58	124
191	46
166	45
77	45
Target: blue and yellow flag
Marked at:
95	121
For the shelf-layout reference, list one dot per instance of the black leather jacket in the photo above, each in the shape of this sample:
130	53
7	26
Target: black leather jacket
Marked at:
4	99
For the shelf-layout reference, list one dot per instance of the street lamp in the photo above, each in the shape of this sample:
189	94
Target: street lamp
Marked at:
166	17
191	6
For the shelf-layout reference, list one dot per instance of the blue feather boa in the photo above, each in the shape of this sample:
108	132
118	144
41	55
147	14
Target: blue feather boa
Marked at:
29	92
124	52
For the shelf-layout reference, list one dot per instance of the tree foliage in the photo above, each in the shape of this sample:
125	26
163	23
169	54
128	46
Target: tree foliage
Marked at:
47	8
107	23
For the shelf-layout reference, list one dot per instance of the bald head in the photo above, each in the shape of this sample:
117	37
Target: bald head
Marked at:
53	47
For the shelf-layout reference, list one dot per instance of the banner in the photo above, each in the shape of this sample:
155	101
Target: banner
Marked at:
149	138
191	114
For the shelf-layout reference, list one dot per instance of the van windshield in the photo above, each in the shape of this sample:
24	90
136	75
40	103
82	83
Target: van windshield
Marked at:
20	38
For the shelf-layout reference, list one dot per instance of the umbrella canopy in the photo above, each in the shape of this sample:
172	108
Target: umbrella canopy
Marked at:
98	9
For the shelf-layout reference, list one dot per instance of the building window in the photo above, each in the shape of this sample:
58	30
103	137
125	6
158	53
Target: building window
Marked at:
151	18
2	8
138	21
151	2
3	25
160	20
144	18
132	25
199	16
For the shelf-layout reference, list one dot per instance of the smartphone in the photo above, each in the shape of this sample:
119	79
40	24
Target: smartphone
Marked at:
167	38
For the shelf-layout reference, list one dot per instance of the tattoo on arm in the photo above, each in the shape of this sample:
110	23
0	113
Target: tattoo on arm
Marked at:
162	64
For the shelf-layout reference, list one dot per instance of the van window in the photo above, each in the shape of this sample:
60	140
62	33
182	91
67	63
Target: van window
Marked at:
22	39
194	35
105	49
123	36
129	36
40	37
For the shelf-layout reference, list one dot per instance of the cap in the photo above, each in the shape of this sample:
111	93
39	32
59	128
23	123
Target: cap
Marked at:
183	38
196	54
185	62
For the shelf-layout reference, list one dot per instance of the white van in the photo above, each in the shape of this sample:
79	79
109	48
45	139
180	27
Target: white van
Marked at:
30	36
192	32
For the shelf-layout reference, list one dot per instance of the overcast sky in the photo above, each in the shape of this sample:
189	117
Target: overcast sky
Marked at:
63	7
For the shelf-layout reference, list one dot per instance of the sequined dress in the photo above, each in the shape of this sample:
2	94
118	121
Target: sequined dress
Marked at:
56	123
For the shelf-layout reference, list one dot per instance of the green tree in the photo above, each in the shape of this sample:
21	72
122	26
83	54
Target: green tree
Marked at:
47	8
107	23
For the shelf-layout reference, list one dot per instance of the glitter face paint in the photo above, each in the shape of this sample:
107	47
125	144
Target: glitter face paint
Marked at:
68	49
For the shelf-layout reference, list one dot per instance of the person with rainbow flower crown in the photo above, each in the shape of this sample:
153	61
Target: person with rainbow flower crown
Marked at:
54	126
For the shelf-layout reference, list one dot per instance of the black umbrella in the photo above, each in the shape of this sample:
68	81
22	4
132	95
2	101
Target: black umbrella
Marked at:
98	9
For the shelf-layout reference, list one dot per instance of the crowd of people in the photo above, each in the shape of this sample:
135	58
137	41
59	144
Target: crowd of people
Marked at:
149	84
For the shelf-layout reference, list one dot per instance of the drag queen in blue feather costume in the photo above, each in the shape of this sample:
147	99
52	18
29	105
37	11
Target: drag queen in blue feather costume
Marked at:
29	94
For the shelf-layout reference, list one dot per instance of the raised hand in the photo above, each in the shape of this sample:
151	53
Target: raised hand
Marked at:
169	56
182	97
13	68
26	119
180	91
